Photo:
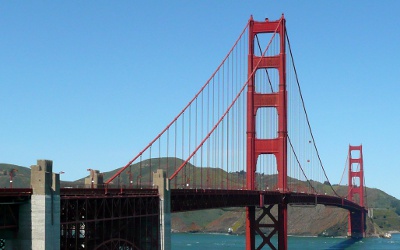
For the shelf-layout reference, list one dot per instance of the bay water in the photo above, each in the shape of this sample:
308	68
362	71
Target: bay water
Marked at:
200	241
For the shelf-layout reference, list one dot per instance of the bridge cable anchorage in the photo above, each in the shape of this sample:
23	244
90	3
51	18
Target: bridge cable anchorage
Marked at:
306	114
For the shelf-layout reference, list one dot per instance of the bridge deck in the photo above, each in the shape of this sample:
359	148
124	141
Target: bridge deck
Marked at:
196	199
65	193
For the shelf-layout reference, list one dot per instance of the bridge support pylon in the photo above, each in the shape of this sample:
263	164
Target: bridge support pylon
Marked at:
357	219
39	220
276	146
45	206
162	182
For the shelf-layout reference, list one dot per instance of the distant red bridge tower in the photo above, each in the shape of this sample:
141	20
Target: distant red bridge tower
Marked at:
356	191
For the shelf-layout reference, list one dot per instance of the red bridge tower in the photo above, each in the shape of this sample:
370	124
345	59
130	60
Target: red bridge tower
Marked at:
275	146
356	191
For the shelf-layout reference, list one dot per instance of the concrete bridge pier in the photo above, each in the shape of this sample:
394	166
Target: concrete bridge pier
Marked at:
39	219
162	183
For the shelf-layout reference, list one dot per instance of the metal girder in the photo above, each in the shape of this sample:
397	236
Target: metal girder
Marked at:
356	221
9	216
111	222
278	100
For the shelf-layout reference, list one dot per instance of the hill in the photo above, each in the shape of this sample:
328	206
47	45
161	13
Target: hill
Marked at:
21	176
312	220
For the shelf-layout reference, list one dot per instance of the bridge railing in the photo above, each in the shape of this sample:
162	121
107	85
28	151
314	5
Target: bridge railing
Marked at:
15	191
85	192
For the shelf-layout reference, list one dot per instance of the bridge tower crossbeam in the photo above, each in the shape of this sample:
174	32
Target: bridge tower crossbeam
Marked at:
259	146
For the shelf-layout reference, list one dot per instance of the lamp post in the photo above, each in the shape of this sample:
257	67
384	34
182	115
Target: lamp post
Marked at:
59	174
12	174
130	178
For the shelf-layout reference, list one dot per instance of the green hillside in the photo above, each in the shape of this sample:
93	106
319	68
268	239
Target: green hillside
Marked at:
21	176
315	220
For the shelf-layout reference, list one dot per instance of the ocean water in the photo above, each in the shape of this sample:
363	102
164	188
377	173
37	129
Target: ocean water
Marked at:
199	241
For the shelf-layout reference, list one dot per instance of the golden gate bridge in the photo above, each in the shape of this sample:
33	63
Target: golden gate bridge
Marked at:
244	140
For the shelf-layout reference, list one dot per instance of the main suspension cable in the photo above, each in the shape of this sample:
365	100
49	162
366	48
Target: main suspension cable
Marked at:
305	112
298	162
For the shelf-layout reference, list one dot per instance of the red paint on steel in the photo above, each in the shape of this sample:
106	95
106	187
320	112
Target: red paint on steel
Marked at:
12	174
276	146
356	225
93	221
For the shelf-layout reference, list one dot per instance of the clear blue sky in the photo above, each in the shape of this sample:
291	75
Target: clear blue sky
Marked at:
89	84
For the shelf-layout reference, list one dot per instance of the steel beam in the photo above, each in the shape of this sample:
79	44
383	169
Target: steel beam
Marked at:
356	220
276	146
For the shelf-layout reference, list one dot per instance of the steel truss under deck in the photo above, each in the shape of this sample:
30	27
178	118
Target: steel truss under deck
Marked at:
110	222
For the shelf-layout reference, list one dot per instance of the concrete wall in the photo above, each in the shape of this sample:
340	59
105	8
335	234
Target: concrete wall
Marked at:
94	180
45	204
162	182
39	219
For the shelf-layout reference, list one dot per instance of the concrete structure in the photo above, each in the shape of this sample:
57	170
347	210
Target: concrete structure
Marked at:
45	204
162	183
95	179
39	220
370	213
